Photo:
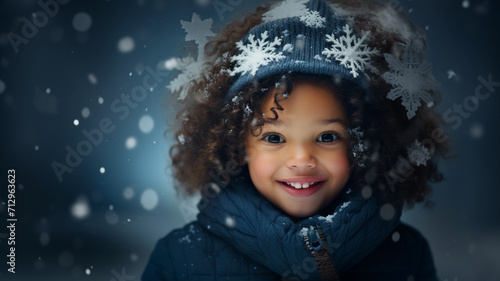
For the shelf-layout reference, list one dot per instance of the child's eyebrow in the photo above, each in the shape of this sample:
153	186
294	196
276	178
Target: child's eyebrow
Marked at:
335	120
278	122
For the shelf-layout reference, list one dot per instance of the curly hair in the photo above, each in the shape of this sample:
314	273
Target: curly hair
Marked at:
210	138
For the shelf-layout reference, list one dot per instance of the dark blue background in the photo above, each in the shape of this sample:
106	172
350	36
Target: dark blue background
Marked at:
118	234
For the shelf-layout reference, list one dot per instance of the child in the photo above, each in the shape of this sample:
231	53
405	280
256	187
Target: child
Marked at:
305	137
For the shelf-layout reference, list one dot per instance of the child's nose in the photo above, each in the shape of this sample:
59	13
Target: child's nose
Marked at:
301	157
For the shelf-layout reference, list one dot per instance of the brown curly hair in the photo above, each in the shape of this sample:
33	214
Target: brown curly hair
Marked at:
210	139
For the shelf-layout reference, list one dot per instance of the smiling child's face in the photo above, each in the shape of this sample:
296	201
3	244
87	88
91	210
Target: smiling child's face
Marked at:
299	162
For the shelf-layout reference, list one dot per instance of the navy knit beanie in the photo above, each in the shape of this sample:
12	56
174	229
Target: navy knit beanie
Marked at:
301	36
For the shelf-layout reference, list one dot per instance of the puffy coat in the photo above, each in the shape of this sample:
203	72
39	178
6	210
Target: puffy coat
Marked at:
240	236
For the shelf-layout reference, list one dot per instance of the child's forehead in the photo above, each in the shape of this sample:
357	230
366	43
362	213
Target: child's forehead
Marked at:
305	99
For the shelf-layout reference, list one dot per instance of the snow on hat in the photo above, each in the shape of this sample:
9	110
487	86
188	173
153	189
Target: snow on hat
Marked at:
301	36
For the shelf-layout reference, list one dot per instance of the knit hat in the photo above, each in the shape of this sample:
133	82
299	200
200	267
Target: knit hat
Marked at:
301	36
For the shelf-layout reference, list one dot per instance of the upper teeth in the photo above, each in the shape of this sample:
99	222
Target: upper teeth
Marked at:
298	185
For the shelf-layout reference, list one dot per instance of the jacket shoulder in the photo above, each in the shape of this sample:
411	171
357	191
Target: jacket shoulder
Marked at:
404	255
193	253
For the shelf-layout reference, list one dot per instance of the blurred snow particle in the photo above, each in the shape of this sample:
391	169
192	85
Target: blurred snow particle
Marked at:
36	147
76	122
181	139
85	112
82	22
396	236
465	4
203	2
45	103
2	86
171	64
66	259
102	170
126	44
111	207
92	78
451	74
411	278
366	192
387	212
230	222
39	263
146	124
100	100
130	143
426	27
128	193
149	199
87	271
44	239
483	7
80	209
111	217
476	131
139	69
133	257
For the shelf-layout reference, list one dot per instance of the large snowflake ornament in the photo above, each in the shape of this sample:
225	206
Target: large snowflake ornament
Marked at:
256	53
191	68
351	51
418	154
411	80
313	19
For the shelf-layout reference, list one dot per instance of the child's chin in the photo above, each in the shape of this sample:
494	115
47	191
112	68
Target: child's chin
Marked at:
300	213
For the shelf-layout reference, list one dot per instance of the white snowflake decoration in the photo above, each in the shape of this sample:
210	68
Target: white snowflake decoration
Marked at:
351	51
313	19
191	69
286	9
411	80
191	72
256	53
418	154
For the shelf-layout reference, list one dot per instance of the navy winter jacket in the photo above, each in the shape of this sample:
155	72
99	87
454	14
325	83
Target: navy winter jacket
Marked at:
241	236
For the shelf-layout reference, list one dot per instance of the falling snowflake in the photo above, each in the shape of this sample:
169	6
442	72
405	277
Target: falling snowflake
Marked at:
359	149
286	9
256	53
191	69
351	51
411	79
313	19
418	154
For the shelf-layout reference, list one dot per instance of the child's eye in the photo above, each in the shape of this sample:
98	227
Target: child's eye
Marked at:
273	138
327	137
